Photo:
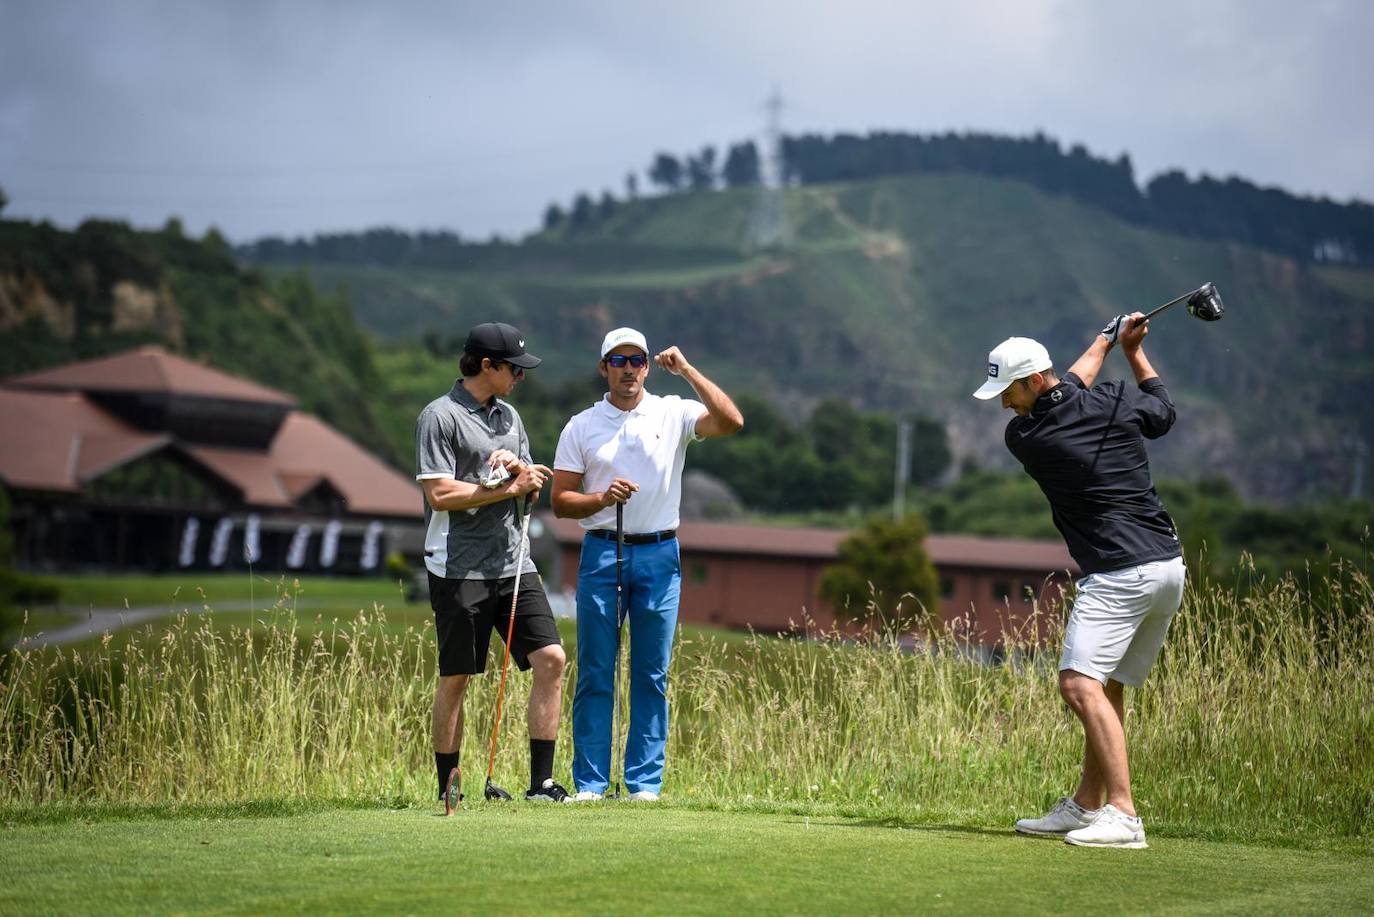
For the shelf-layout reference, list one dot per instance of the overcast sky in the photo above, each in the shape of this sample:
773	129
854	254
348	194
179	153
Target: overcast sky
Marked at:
296	117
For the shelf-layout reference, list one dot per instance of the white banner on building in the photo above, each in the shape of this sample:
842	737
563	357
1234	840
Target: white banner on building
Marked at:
372	535
295	554
189	535
329	545
252	542
219	542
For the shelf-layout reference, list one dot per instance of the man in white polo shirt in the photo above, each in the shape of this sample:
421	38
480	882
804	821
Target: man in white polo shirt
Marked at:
629	448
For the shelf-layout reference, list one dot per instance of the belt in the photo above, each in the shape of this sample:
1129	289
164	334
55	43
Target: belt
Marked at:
646	538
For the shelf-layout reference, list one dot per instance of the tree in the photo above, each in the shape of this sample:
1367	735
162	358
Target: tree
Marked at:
605	206
883	576
666	172
215	242
701	169
4	199
583	211
553	217
741	165
631	186
930	455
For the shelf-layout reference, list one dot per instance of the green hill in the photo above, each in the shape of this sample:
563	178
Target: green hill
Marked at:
891	292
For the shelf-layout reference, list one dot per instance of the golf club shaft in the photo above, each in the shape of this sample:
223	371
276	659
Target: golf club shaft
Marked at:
1173	302
619	622
510	629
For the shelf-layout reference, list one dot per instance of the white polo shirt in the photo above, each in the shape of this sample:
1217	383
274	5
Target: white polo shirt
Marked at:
646	445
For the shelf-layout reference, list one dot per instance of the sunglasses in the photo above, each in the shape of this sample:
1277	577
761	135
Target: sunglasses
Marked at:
516	371
618	360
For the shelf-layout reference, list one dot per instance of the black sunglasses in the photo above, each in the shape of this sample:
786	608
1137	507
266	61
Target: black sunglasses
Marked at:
516	371
618	360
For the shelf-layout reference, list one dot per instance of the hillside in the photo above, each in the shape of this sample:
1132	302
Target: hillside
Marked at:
106	287
893	290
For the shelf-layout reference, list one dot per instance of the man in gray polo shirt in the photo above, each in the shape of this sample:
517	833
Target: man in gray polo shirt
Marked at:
472	458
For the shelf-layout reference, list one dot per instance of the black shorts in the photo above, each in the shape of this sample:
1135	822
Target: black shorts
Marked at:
466	611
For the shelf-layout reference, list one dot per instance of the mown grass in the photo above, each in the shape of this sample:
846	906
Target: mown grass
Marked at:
196	589
622	858
1255	725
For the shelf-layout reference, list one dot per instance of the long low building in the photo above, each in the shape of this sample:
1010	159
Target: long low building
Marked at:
768	578
145	460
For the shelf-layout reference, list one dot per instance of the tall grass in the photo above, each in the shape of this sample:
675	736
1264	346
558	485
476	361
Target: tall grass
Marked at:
1257	722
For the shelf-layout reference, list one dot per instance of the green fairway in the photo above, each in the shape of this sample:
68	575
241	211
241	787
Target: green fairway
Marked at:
194	589
614	857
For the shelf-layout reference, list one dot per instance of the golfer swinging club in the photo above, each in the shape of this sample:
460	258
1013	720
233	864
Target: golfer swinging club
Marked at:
473	461
629	449
1085	446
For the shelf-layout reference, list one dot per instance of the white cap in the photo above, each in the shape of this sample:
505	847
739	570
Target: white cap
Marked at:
1014	358
623	336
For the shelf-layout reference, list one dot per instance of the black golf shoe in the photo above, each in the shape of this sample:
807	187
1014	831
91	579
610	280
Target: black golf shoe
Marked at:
549	792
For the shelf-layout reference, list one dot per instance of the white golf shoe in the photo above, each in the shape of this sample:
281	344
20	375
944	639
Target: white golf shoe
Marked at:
588	796
644	796
1066	816
1110	828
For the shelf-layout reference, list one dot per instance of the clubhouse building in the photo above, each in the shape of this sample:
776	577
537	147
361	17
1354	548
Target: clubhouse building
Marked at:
145	460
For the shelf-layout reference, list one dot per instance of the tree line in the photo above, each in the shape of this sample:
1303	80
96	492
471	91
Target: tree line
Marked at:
1231	209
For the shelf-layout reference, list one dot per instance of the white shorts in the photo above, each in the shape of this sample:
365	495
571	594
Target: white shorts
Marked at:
1119	621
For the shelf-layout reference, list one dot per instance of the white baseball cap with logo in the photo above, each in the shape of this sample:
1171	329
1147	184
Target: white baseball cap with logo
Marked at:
623	336
1014	358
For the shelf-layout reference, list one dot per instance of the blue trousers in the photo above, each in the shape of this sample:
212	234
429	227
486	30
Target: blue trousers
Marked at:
652	582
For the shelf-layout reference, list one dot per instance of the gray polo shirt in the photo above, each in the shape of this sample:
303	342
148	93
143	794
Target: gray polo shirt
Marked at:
454	437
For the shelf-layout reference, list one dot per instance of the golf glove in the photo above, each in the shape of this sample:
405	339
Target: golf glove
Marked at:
1114	328
495	476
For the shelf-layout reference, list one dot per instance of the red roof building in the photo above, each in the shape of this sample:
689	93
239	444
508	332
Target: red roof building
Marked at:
137	459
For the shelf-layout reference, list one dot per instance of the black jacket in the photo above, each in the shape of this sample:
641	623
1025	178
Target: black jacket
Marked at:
1085	447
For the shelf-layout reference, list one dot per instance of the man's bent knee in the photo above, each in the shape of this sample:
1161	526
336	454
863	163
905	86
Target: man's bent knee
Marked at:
1077	689
548	662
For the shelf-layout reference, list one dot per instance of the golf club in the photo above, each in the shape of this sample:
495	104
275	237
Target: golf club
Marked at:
492	791
1203	303
619	627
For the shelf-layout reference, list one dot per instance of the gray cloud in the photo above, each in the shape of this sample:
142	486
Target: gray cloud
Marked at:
294	117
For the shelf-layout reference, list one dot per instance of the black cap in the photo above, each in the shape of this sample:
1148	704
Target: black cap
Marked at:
500	341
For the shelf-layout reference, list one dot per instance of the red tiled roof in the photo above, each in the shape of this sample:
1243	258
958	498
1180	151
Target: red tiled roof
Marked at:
251	473
149	369
57	442
823	544
306	445
60	441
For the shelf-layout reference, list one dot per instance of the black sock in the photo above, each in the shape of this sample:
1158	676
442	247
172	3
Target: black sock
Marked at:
541	761
444	763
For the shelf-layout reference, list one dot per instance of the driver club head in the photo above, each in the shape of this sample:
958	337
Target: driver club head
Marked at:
1205	303
492	791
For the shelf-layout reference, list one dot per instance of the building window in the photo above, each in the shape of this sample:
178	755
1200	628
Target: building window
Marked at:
1028	592
946	587
1001	590
700	573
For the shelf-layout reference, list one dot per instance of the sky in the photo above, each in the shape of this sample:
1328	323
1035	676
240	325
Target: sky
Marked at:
291	118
